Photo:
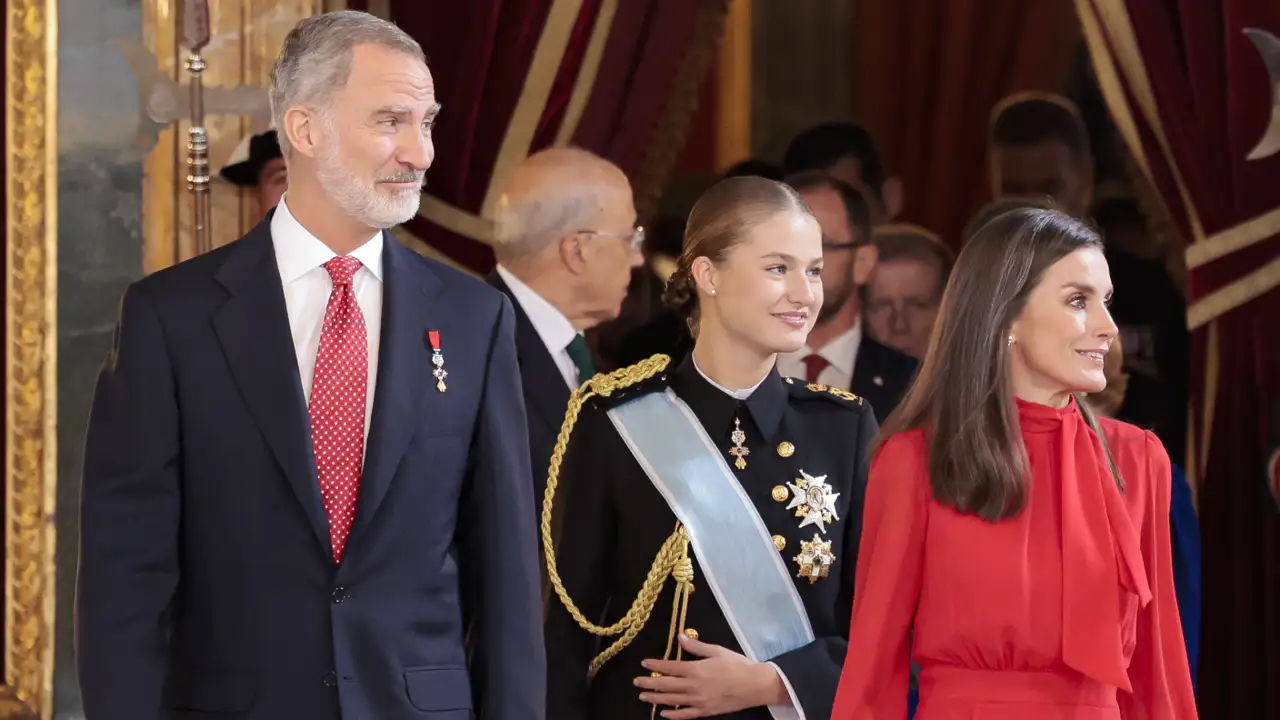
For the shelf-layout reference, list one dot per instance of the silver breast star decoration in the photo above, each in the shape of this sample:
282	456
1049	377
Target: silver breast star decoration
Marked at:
812	499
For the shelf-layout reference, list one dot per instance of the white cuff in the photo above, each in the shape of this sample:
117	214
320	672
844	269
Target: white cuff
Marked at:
779	712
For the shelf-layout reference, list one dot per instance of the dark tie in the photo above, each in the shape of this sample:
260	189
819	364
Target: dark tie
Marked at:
813	366
337	405
580	354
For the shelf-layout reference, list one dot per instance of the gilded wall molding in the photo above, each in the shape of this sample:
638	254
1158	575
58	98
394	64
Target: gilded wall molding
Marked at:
31	190
247	35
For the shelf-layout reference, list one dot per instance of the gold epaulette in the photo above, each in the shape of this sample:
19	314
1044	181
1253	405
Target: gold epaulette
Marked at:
825	390
672	559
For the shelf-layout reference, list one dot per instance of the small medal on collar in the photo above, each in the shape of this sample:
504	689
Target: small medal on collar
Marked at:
437	360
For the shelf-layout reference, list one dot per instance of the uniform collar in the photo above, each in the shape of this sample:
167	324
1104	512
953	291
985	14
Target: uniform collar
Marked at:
716	409
298	252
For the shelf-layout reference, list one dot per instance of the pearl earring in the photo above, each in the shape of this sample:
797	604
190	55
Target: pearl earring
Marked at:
713	291
1010	343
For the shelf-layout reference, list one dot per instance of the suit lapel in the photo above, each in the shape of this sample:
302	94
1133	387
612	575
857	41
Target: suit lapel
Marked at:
868	378
404	373
544	386
253	329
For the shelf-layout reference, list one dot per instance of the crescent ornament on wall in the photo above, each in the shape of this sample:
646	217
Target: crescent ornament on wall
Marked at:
1269	47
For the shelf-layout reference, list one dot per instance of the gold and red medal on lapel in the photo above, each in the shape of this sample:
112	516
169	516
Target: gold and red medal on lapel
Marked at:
437	359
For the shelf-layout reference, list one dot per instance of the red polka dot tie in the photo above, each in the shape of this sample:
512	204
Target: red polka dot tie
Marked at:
338	402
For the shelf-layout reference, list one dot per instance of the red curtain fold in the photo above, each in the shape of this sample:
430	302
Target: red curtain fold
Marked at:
928	74
646	49
481	56
1199	96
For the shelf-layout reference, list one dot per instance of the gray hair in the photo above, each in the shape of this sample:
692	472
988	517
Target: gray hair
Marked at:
316	60
527	225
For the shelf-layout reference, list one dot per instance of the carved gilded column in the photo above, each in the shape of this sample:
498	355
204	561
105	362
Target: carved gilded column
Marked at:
733	87
246	36
31	263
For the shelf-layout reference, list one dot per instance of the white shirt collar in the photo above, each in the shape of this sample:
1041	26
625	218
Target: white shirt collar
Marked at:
298	252
735	394
553	327
841	352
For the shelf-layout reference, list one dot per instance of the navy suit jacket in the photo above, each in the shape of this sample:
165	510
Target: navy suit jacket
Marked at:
881	375
207	586
546	396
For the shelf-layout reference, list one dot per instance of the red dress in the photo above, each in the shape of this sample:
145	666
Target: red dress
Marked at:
1064	612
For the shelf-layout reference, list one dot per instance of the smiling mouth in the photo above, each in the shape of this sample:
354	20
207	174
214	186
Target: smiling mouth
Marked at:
1097	356
794	319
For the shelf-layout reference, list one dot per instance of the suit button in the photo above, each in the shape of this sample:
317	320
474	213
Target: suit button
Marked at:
340	594
331	679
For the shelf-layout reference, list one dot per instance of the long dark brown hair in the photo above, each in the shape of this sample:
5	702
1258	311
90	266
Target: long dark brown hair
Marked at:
962	396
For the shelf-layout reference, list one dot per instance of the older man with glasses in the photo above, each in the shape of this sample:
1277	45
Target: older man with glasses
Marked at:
566	243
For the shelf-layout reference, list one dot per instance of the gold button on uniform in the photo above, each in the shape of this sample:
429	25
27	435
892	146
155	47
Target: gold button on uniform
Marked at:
786	449
691	633
780	542
780	493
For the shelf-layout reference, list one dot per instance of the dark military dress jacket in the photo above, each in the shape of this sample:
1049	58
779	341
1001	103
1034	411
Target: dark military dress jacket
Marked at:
610	522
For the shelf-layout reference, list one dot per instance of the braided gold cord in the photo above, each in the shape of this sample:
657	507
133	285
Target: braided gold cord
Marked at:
668	558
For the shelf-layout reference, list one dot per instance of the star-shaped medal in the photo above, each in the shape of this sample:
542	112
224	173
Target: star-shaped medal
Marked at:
815	559
813	500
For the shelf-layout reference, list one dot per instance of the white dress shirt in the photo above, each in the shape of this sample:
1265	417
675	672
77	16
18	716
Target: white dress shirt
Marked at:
552	326
300	257
735	394
841	353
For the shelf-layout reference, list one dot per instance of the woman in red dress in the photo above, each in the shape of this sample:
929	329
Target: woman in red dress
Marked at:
1014	544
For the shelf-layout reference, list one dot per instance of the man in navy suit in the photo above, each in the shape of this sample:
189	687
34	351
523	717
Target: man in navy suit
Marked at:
838	352
306	488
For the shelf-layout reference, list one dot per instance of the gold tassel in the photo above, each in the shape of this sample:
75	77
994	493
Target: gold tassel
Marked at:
683	574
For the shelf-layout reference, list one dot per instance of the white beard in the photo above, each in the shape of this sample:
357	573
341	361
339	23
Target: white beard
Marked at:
359	199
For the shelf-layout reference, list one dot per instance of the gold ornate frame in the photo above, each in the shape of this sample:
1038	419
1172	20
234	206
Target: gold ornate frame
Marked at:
31	195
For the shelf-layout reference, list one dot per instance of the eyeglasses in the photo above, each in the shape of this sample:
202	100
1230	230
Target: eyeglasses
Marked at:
635	238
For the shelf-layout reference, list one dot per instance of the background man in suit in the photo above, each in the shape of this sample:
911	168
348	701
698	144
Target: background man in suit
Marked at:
906	288
567	243
257	165
285	514
1039	147
838	353
847	152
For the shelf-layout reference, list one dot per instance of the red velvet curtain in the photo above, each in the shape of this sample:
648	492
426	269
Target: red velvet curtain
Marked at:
489	59
1191	95
928	74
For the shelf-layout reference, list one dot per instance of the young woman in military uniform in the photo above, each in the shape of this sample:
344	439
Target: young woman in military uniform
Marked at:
701	521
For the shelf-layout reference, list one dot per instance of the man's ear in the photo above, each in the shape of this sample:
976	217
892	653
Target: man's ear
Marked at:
891	194
865	258
573	253
300	127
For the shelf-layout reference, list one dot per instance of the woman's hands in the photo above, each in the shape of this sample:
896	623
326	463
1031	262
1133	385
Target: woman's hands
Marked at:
722	682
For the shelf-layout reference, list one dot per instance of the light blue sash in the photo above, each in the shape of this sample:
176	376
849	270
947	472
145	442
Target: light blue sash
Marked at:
734	549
